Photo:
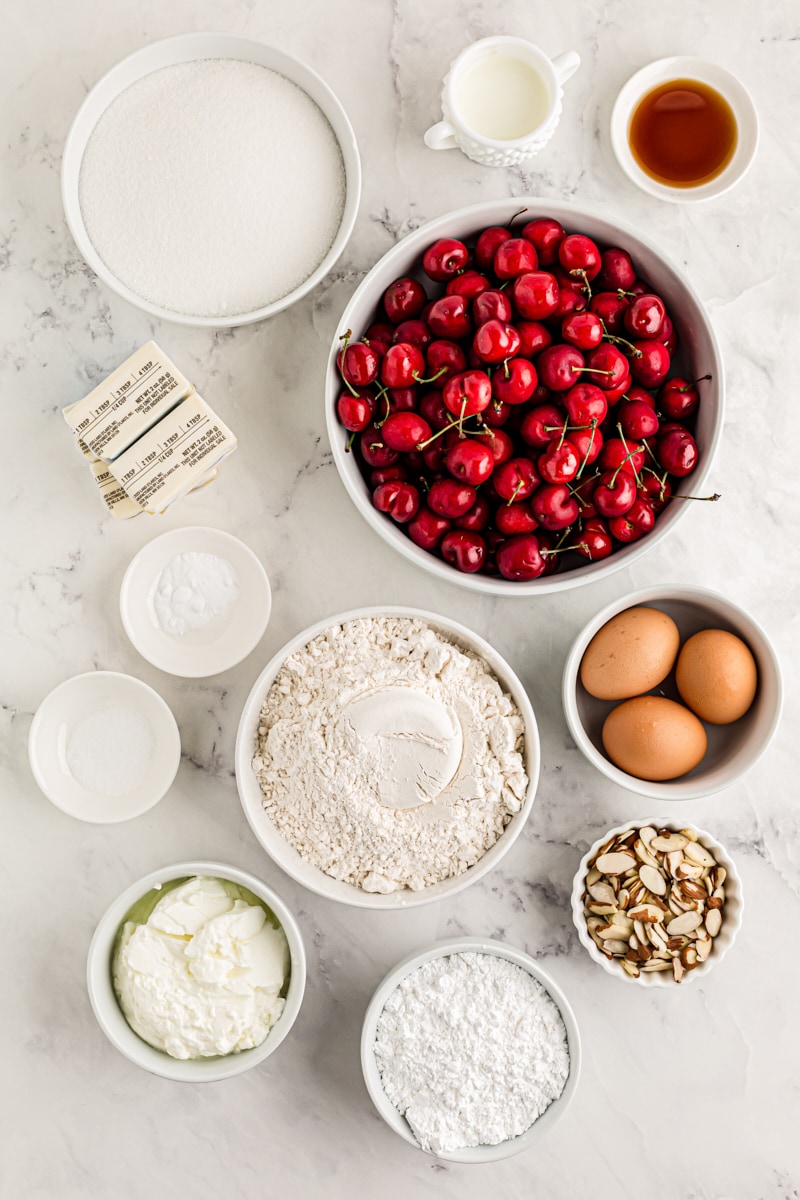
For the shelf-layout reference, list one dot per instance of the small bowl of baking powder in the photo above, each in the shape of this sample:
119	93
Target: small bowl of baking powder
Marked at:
470	1050
387	757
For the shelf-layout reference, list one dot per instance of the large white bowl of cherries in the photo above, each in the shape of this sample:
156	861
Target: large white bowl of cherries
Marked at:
523	395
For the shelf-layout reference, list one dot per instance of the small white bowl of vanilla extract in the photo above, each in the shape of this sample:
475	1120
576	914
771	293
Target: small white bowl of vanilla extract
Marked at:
684	129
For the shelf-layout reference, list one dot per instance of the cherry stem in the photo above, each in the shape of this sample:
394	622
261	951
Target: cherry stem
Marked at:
433	378
590	370
622	293
694	383
678	496
587	287
345	337
384	395
588	448
631	350
515	493
628	457
506	371
461	416
517	214
350	441
563	432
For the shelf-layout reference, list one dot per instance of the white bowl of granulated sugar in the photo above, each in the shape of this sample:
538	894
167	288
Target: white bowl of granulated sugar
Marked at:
470	1050
211	179
387	757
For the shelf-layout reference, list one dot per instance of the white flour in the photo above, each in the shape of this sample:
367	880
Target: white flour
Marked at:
471	1050
379	793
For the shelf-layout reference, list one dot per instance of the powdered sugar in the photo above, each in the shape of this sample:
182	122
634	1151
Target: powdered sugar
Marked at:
212	187
471	1050
340	784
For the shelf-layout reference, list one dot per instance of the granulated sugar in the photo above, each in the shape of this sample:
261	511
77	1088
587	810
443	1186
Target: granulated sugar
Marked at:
109	751
213	187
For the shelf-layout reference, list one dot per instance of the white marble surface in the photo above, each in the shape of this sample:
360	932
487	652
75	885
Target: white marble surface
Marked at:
690	1094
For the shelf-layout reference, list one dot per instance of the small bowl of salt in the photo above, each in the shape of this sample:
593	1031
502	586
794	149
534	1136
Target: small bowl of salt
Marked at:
104	747
195	601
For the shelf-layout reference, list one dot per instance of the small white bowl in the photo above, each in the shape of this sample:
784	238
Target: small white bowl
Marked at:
372	1076
682	67
310	876
57	717
732	910
698	354
189	47
732	749
215	647
109	1014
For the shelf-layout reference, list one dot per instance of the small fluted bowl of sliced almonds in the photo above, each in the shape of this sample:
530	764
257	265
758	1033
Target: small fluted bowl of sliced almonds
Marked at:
657	903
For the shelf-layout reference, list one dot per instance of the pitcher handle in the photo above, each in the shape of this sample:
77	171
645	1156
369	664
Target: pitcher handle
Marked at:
565	65
440	137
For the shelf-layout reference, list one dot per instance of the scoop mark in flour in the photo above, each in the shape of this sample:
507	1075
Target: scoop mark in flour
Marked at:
419	742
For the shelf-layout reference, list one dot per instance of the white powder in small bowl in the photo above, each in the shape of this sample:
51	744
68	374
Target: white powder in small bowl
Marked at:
109	751
212	188
193	590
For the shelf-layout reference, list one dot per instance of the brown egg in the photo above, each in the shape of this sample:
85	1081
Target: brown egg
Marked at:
717	676
654	738
630	654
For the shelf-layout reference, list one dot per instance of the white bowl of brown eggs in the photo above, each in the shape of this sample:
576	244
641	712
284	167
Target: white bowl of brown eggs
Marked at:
672	692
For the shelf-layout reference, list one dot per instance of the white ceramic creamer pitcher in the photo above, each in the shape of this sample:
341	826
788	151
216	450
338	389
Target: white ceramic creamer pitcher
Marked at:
501	101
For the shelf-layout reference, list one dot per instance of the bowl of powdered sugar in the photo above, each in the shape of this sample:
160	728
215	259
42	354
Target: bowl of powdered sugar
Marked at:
211	179
470	1050
387	758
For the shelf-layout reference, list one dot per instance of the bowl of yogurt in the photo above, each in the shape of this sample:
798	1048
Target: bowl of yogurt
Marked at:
196	972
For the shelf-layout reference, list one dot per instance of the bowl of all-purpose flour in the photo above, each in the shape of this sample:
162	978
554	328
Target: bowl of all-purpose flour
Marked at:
387	757
195	601
197	971
470	1050
211	179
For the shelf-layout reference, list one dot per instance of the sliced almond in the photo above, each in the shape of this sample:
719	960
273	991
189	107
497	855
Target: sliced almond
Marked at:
602	910
643	854
676	943
656	964
652	879
689	958
593	877
684	923
602	892
647	913
677	970
714	921
630	968
615	863
616	947
618	932
645	953
689	870
647	833
719	876
674	860
703	946
699	854
690	834
714	902
667	842
692	890
624	898
639	930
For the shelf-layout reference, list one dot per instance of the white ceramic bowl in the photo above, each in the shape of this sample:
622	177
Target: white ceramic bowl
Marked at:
699	354
732	749
732	910
215	647
372	1077
682	67
57	717
109	1014
187	48
285	855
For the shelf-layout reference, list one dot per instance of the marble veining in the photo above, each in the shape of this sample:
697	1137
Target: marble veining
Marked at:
690	1095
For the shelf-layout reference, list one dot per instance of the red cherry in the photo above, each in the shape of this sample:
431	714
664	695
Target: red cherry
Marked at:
516	518
559	463
497	413
358	364
400	500
478	516
469	284
385	474
645	316
656	489
546	235
402	365
495	341
516	479
678	398
677	450
519	558
374	450
533	337
433	457
616	272
467	393
615	393
582	493
405	430
559	366
464	550
541	424
500	445
588	443
449	498
449	317
403	399
571	299
404	299
637	392
579	255
515	382
415	331
487	244
611	309
582	329
491	306
535	295
470	461
651	366
585	402
638	420
637	521
355	412
594	540
617	452
444	359
432	408
444	259
615	492
607	366
553	506
669	336
514	257
426	529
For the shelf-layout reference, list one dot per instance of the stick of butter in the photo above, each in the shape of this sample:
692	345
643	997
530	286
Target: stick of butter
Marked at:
127	403
174	457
